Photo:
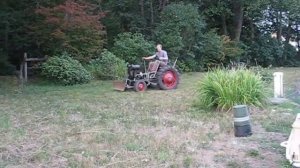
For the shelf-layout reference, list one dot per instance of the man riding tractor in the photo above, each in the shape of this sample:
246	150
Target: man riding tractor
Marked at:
160	54
159	73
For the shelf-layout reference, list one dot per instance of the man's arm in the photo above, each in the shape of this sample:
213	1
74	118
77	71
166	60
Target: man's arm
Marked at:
150	57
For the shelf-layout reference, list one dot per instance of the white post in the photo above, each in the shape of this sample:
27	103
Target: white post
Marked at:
278	85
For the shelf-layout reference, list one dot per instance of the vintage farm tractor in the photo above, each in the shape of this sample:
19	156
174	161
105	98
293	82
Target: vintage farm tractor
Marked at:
166	77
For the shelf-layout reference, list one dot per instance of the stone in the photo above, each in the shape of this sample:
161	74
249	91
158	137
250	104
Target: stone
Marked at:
277	101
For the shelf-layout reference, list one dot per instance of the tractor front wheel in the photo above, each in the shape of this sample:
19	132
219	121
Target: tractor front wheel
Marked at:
168	78
140	86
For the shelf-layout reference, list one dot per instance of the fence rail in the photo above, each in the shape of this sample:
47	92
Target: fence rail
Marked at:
24	66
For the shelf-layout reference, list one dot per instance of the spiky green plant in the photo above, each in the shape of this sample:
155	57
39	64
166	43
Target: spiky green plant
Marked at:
222	89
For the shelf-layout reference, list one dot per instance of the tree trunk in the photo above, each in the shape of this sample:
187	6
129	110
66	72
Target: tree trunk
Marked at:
224	25
6	36
288	33
162	4
252	29
288	37
238	19
279	25
298	39
37	4
142	8
152	13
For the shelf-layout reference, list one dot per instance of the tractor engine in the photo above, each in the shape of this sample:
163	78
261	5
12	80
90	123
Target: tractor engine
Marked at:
134	72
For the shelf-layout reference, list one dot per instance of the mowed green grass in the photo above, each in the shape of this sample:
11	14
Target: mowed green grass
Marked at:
91	125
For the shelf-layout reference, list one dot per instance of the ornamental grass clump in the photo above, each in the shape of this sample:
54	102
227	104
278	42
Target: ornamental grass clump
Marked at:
222	89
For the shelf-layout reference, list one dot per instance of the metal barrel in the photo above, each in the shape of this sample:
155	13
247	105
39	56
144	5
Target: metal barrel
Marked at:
242	125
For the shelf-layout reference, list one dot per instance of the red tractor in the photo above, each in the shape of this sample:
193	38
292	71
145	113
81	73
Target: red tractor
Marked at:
166	77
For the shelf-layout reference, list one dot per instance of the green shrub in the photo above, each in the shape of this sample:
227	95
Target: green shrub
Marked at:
266	51
290	56
189	65
182	66
213	50
108	66
222	89
65	70
132	47
209	50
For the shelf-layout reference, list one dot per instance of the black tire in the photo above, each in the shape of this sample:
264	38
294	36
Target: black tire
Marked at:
140	86
154	86
168	78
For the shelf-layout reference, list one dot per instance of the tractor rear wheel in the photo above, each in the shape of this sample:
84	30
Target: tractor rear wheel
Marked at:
167	78
140	86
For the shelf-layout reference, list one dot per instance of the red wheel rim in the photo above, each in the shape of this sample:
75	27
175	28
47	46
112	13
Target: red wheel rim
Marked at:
169	79
141	87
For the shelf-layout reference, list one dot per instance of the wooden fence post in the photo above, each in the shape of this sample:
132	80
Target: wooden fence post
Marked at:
21	71
25	67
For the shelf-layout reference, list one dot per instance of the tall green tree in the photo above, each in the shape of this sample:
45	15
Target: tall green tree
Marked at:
180	27
13	21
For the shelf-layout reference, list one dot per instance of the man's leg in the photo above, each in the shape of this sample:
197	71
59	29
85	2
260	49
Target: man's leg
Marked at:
161	63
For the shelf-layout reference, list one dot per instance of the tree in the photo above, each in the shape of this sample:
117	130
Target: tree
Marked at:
217	12
71	26
132	16
14	40
180	26
238	10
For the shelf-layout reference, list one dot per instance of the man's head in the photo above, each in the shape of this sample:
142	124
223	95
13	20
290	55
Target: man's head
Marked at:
159	47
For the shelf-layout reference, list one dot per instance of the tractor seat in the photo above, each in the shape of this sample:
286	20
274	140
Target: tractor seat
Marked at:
134	67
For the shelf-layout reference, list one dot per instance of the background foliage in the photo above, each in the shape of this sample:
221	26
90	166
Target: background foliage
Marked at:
201	34
132	47
66	70
108	66
75	28
5	67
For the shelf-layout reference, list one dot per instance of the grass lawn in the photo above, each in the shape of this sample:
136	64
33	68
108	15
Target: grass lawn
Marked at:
91	125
